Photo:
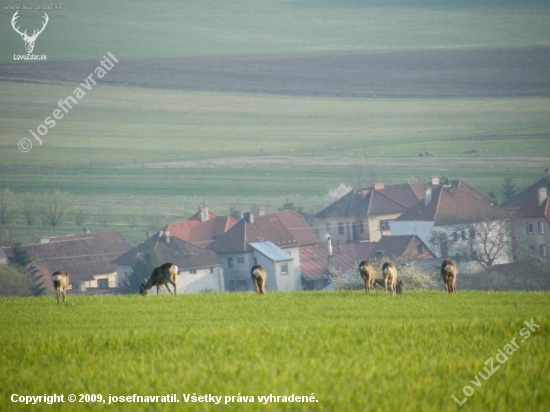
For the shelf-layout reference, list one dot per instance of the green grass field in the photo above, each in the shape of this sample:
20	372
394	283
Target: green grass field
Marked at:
352	351
84	30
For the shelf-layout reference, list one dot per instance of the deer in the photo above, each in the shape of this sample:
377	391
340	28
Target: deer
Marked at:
448	273
61	284
162	275
29	40
390	277
368	273
259	276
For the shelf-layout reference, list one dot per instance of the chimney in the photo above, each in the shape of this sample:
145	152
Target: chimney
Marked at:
86	230
435	180
428	196
249	217
542	195
330	257
167	236
44	240
379	186
261	211
203	213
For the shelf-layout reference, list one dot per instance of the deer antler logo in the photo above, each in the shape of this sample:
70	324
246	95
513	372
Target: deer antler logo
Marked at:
29	40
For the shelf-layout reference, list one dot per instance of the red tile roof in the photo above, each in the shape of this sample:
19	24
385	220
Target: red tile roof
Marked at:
266	227
453	204
378	200
297	225
526	203
201	233
83	256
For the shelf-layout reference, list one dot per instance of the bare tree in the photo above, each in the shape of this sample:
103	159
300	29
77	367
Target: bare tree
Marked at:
486	242
131	221
29	208
80	216
7	207
55	205
105	215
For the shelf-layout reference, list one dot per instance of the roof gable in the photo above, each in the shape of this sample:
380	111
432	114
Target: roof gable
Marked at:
526	202
262	228
379	200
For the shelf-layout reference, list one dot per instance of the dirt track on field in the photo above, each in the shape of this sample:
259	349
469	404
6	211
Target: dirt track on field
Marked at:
447	73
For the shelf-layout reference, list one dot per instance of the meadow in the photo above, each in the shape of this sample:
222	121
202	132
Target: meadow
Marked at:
350	350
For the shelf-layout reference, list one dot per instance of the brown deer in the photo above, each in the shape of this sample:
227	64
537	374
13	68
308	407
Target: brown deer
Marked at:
368	273
259	276
61	284
167	273
390	277
448	273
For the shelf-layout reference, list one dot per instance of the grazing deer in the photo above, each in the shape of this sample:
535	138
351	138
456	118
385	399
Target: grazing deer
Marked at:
29	40
448	272
259	275
61	284
162	275
390	277
368	273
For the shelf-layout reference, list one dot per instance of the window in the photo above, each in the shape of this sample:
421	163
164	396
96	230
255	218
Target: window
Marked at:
329	227
340	228
230	262
531	250
541	228
419	249
529	228
192	271
240	260
384	225
284	269
103	283
463	234
543	250
472	234
212	270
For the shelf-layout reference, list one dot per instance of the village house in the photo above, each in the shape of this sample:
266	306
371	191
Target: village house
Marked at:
202	228
199	270
364	214
456	221
87	257
531	221
255	239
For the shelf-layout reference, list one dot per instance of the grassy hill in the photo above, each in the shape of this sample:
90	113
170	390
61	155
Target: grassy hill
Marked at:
350	350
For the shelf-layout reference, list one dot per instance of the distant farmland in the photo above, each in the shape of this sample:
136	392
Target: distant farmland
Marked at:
440	73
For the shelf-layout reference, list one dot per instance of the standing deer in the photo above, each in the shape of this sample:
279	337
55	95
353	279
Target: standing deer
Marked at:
61	284
368	273
29	40
259	275
162	275
448	272
390	277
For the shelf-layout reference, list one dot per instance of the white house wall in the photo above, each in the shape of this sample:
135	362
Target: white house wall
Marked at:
202	281
422	229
